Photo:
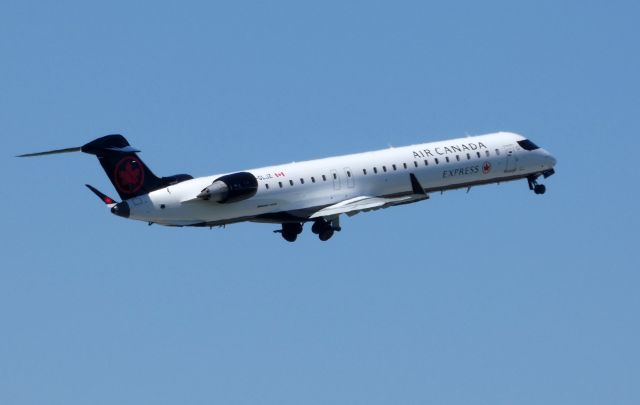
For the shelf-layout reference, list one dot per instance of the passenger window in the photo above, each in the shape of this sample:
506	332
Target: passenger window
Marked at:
384	169
394	167
478	153
426	162
266	186
437	161
324	178
375	170
348	173
486	152
498	152
280	184
291	182
458	158
415	163
468	156
405	165
364	171
447	159
313	179
301	181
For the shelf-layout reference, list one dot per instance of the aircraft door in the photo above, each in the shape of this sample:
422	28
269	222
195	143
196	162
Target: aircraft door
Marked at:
349	176
512	159
336	179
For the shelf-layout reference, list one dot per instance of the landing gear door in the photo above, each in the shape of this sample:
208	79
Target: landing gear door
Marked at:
512	159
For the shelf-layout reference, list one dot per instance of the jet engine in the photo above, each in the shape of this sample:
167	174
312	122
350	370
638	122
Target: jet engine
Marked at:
231	188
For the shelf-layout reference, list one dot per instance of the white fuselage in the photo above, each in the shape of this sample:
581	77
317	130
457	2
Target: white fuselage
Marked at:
305	187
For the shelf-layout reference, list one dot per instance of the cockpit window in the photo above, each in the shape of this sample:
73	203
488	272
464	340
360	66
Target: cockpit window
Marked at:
528	145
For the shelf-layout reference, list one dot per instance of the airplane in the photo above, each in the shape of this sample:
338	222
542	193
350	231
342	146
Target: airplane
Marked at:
314	191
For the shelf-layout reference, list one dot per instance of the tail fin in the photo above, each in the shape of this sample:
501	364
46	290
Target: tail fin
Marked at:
129	175
127	172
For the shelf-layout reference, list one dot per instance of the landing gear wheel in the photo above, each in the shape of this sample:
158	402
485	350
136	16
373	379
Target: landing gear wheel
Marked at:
533	185
326	234
290	231
294	228
290	237
318	226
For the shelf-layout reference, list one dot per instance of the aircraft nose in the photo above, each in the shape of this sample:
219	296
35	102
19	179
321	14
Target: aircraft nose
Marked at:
552	160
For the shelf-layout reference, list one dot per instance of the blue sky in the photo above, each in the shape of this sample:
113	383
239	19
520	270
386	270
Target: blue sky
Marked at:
498	296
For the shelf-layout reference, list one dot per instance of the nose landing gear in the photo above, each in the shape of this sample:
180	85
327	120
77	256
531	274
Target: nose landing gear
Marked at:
533	185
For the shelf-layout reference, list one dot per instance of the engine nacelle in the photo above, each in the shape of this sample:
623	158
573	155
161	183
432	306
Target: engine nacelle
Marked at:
231	188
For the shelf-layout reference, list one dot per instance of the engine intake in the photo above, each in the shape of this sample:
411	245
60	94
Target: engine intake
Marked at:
231	188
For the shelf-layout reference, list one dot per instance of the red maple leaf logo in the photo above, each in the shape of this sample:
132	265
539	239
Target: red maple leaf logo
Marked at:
486	167
129	176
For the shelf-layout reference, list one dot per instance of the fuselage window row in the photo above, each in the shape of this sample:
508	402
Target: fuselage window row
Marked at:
384	168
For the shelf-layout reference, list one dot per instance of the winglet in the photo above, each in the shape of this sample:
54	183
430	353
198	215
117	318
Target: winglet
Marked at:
416	187
105	199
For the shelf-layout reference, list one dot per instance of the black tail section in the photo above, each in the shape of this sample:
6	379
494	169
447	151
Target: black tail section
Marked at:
129	175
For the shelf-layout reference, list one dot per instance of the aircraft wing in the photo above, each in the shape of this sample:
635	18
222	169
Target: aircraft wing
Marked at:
359	204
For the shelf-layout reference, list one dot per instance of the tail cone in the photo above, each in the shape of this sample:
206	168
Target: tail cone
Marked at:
121	209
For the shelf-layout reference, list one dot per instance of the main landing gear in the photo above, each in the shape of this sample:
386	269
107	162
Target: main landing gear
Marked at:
321	227
325	229
533	185
290	231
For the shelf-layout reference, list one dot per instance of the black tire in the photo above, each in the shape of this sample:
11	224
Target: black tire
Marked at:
539	189
298	228
326	234
292	227
318	226
289	236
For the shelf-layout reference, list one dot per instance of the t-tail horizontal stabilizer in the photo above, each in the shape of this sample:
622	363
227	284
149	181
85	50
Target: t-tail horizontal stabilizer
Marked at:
127	172
109	143
52	152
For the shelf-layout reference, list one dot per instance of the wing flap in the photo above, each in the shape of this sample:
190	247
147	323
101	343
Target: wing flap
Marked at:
359	204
